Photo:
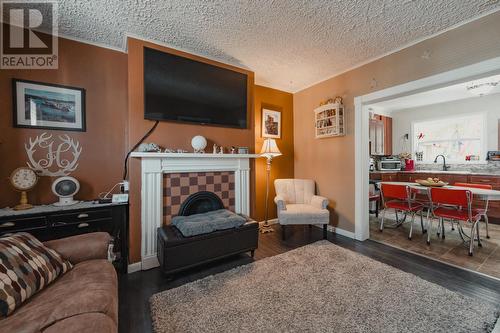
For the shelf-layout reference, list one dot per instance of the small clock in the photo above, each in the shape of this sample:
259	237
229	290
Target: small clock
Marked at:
23	179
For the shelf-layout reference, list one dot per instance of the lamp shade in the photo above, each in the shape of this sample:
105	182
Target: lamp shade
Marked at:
270	149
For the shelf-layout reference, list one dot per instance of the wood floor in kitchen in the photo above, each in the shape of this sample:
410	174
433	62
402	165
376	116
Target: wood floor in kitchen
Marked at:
452	249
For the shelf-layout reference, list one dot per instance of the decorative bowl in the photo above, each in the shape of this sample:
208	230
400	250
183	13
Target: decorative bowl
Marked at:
425	182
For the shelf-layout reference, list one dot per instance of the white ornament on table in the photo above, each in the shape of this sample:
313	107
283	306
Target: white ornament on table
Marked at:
199	143
54	157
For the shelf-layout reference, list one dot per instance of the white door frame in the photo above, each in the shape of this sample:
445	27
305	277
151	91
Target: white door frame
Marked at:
361	128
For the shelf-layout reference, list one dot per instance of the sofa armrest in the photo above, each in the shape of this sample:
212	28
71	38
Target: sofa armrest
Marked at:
280	202
82	247
319	202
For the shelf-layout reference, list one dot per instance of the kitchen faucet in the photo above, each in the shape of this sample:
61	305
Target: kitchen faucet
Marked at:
445	167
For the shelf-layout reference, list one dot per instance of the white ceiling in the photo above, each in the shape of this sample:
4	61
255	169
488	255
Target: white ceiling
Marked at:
446	94
288	44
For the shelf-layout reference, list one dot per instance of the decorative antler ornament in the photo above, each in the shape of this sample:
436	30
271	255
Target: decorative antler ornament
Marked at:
53	157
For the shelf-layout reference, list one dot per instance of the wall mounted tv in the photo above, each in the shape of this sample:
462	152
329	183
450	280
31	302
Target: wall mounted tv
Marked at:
185	90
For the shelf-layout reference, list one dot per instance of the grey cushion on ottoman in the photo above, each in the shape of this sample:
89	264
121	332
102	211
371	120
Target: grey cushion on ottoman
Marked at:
198	224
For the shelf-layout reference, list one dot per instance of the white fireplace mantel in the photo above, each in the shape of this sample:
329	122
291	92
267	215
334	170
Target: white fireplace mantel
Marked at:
154	165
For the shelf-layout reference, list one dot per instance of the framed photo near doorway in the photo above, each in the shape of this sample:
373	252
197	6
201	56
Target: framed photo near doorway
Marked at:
271	124
48	106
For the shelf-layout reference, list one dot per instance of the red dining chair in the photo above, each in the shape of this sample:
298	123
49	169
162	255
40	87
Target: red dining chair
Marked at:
455	204
484	211
399	198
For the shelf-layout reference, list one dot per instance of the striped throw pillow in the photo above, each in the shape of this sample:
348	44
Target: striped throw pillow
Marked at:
26	267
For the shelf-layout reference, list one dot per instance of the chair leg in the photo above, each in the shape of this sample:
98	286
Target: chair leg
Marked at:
377	207
442	228
325	229
381	228
422	222
486	222
452	225
429	230
283	232
478	237
411	224
471	245
438	232
427	217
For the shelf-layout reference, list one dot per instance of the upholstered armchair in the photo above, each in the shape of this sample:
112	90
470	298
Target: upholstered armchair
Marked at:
298	204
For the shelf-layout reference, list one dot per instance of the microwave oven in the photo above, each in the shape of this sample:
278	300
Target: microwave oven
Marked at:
389	165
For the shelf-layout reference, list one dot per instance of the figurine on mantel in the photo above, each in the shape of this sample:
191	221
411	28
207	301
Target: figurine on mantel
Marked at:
216	148
221	150
233	150
199	143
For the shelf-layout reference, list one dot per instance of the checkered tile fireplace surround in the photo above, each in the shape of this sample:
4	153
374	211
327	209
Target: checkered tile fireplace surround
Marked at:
178	186
167	179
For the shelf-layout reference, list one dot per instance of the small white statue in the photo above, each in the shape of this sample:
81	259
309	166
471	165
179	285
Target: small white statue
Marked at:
221	151
215	149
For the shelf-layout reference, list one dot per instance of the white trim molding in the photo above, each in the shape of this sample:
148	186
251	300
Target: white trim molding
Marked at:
154	165
361	126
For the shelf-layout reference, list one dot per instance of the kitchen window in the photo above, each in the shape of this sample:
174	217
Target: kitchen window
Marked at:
461	139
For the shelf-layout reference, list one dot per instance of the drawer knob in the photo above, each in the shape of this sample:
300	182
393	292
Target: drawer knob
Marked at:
7	224
82	215
83	225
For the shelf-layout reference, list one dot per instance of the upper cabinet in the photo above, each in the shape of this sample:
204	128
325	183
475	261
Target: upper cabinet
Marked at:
380	135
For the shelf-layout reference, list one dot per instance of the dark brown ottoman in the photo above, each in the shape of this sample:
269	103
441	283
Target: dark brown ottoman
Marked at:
177	253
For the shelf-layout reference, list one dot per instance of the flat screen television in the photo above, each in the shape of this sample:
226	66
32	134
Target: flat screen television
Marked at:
184	90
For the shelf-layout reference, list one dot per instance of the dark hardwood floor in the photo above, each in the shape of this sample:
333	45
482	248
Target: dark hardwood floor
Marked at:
135	289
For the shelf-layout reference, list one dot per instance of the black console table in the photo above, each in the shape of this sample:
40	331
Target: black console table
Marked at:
50	222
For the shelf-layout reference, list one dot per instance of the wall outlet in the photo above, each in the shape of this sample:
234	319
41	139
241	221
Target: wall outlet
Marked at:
125	186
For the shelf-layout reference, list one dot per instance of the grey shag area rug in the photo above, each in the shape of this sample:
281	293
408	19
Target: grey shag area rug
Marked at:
320	287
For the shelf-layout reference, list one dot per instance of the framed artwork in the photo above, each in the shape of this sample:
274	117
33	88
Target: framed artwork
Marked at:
48	106
271	124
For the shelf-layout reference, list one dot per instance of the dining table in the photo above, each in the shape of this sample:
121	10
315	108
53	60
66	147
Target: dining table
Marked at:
478	193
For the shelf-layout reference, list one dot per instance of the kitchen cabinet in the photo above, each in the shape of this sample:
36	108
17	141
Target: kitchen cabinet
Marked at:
389	177
380	135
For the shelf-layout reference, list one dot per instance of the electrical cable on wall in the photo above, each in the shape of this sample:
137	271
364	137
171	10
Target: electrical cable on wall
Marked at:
125	166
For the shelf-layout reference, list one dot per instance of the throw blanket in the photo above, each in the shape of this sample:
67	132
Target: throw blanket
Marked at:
198	224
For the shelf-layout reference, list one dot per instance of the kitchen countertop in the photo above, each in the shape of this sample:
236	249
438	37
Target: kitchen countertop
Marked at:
456	172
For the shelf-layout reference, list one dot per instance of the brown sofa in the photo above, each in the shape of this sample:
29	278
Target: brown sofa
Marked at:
85	299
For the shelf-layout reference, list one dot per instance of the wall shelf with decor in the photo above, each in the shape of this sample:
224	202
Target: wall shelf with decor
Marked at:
329	120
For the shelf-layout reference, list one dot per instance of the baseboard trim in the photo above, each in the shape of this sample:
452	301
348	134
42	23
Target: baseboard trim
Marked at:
338	231
342	232
135	267
272	221
149	262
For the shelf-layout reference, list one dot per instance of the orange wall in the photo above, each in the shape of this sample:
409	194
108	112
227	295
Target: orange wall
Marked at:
282	166
167	134
103	73
331	161
115	122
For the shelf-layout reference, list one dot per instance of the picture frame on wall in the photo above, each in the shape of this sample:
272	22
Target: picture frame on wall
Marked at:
48	106
271	123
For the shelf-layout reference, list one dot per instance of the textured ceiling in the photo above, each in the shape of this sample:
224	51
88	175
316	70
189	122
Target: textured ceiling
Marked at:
441	95
288	44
